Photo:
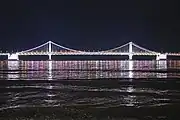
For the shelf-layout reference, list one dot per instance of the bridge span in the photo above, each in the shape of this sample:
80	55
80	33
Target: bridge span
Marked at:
50	48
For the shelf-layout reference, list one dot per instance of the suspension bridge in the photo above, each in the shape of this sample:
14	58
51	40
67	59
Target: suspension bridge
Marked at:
53	49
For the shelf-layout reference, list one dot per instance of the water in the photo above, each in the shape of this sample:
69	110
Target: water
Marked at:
89	90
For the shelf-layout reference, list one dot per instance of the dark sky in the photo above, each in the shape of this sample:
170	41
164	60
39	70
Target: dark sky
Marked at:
90	24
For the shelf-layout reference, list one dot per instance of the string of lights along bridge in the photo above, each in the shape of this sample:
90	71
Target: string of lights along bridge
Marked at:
50	48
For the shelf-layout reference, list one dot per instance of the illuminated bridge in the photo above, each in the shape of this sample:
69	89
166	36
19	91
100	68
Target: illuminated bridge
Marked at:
50	48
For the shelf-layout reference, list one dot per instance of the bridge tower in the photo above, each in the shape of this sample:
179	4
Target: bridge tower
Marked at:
49	49
130	50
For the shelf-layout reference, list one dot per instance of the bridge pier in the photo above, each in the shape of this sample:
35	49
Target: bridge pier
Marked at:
50	57
13	56
130	56
161	57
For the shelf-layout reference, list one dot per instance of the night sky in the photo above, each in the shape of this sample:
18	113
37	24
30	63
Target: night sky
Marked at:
90	24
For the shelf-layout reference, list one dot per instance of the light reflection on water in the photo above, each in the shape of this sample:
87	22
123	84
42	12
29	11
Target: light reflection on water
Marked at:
86	69
86	87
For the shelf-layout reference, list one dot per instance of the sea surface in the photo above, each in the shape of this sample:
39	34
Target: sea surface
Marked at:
90	90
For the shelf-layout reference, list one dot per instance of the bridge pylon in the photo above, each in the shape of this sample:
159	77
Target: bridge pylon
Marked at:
49	49
130	51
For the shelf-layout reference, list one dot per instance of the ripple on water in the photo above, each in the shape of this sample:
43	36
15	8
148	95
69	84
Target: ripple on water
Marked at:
97	91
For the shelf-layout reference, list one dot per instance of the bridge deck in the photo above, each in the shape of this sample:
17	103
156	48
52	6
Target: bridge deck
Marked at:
84	53
91	53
